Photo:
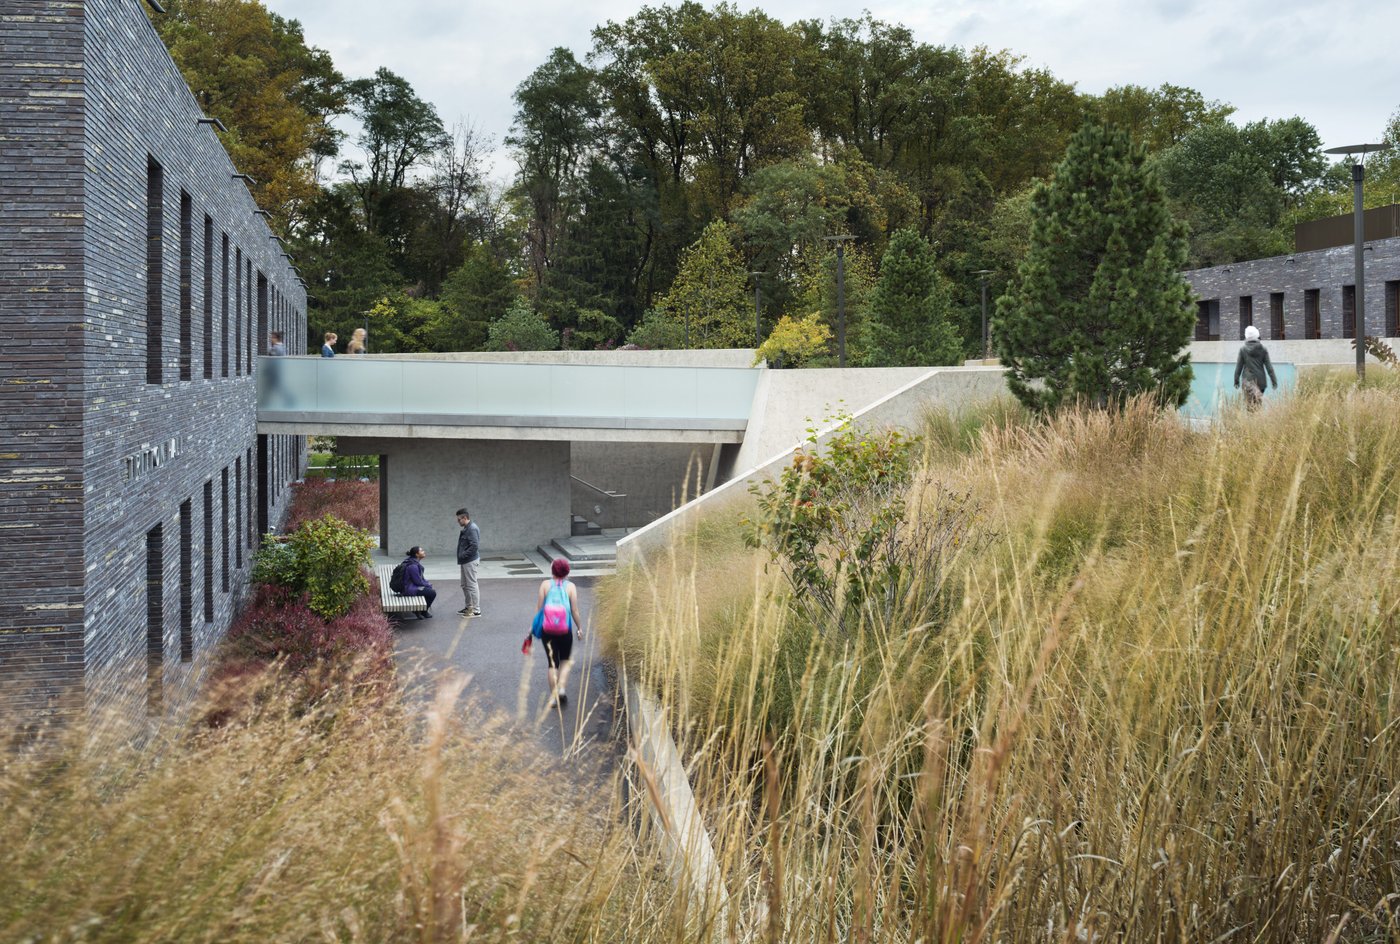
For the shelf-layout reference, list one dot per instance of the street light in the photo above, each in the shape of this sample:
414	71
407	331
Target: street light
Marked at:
1358	175
840	242
757	318
982	278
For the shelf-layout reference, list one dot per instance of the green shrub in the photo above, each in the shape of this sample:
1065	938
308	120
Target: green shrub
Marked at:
794	341
325	558
521	328
836	522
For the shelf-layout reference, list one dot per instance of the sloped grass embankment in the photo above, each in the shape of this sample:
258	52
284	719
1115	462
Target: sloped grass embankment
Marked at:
1160	704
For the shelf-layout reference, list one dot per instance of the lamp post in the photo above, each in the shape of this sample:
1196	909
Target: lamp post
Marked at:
982	279
840	242
757	317
1358	176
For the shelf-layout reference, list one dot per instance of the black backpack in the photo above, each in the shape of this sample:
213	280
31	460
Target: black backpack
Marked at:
396	578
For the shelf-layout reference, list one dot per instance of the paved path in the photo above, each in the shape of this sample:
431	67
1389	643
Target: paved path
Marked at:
505	686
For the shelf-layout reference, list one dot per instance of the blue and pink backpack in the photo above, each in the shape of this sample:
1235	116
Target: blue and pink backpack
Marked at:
557	618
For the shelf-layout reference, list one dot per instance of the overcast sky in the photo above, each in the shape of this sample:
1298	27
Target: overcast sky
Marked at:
1335	64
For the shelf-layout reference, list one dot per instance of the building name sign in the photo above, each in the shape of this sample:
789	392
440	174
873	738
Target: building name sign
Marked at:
149	459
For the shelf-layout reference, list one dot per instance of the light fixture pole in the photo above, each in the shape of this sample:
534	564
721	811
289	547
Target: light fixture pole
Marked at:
982	279
840	242
1358	176
757	317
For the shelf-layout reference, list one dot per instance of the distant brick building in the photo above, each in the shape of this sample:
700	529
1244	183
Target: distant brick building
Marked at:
1309	294
137	285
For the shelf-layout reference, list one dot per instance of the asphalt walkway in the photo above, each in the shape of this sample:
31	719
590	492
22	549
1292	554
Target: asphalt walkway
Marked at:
506	687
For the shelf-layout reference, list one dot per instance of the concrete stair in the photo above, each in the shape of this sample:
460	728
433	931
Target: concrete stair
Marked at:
586	553
581	526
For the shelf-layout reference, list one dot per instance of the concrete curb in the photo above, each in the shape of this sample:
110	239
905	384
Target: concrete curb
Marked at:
672	811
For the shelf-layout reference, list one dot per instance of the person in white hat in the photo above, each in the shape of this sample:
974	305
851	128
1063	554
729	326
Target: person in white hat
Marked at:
1253	365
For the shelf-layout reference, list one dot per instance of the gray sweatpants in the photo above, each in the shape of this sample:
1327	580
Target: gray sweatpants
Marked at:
470	593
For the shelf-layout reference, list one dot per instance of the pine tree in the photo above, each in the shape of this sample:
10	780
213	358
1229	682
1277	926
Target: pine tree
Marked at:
909	310
1097	310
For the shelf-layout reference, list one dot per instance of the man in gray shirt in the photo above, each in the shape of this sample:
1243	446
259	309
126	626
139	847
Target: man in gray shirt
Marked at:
468	557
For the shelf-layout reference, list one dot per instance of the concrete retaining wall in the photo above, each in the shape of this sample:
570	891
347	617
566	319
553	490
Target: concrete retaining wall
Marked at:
655	477
517	492
904	408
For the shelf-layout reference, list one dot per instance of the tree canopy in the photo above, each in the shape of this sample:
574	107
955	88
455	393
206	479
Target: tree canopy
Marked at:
683	117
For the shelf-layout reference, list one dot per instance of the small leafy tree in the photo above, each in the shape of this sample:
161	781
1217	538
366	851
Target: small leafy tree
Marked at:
326	559
521	328
711	290
837	520
1098	310
793	342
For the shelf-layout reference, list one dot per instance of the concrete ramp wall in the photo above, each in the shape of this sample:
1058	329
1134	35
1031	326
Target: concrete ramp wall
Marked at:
791	398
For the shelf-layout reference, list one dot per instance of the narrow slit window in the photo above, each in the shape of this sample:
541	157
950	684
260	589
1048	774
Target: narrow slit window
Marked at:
1348	311
186	581
155	619
209	551
155	196
186	286
223	530
208	299
223	316
237	312
238	513
1276	322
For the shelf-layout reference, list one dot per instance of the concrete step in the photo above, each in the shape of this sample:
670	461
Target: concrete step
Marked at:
581	550
580	525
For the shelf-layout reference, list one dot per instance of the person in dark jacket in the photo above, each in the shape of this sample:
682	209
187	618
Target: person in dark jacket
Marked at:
414	583
468	558
1253	366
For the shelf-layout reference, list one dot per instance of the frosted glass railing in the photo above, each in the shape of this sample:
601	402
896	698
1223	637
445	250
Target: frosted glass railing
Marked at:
362	389
1213	387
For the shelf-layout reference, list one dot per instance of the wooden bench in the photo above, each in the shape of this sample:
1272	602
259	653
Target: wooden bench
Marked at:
396	603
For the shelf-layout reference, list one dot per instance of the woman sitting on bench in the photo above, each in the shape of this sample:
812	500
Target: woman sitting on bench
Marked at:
414	583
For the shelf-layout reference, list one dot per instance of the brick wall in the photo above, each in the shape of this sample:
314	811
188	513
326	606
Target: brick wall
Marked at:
1325	271
131	451
41	370
139	109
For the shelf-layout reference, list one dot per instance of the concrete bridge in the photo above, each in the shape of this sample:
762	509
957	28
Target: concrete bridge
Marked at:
501	437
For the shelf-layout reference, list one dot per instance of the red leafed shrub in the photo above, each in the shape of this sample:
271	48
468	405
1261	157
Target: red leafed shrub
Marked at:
275	624
355	503
277	628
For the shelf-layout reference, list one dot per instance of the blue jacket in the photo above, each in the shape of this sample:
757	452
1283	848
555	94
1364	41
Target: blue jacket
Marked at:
327	351
413	581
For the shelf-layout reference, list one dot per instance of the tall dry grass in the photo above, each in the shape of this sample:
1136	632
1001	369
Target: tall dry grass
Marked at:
1165	708
350	822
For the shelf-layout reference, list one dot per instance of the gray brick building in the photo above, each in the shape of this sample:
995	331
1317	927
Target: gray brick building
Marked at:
137	286
1301	296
